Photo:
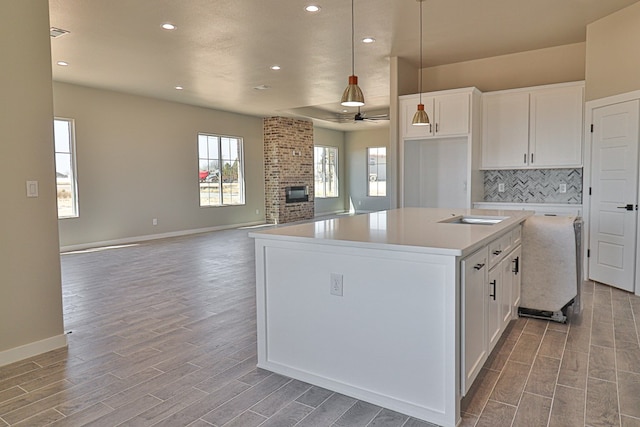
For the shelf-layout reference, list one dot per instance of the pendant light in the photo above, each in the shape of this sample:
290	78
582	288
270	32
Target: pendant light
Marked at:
352	96
420	118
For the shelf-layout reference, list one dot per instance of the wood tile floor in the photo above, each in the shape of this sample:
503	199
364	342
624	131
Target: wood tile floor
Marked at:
163	333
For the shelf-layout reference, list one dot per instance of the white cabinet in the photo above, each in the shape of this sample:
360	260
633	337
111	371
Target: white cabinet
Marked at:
494	322
490	299
474	277
516	279
449	115
505	139
533	127
440	164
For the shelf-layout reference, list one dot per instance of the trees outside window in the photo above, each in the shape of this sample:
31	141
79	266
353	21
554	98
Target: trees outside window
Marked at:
326	171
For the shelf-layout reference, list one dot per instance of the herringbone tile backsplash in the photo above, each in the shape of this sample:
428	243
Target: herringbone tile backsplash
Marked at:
533	186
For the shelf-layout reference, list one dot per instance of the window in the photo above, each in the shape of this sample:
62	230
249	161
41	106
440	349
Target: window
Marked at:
326	171
377	171
63	137
221	170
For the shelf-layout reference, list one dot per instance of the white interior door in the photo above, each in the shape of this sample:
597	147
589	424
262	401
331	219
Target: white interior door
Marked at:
614	166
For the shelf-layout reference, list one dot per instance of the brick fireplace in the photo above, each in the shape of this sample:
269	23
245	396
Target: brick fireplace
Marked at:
288	163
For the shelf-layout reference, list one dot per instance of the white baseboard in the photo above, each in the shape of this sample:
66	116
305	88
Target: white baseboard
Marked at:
32	349
338	212
136	239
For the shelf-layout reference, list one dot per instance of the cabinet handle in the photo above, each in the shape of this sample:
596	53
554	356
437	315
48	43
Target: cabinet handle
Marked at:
525	159
531	158
436	127
516	265
478	266
497	252
493	295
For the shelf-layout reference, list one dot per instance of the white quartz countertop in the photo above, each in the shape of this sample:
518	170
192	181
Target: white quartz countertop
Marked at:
404	229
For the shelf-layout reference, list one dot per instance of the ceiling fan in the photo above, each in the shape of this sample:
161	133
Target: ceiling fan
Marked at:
358	117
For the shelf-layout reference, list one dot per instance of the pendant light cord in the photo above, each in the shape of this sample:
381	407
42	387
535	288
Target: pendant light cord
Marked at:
353	42
420	71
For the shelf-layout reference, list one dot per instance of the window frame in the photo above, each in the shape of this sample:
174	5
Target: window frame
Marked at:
71	124
368	172
220	160
324	181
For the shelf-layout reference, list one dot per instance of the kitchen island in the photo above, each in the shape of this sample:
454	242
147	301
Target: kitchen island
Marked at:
372	305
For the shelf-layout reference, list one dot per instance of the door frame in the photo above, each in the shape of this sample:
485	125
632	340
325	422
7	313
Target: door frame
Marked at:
586	176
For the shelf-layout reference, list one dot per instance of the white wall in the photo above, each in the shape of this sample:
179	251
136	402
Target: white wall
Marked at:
613	63
137	160
356	148
30	292
557	64
333	138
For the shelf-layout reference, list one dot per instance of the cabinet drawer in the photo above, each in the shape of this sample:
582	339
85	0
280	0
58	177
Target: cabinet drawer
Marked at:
498	249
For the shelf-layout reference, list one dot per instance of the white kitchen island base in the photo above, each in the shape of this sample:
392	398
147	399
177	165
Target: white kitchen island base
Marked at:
392	338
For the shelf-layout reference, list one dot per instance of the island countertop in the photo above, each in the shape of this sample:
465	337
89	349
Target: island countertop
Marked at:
408	229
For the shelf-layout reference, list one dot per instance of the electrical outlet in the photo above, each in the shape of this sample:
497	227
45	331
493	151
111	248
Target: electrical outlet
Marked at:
154	221
336	284
563	188
501	187
257	211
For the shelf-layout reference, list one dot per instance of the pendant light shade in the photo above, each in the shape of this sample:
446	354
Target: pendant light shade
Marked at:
352	96
420	118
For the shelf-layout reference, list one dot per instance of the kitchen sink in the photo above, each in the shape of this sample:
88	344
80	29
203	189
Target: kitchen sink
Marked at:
474	220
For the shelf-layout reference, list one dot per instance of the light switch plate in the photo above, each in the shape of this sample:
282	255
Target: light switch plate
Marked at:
32	188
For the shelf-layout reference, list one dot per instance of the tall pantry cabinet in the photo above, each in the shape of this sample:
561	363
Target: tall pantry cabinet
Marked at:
439	164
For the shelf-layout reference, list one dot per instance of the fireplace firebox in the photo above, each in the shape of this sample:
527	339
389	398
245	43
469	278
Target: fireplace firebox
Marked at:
297	194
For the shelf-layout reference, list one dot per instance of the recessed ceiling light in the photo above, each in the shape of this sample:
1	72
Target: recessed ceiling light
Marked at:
368	40
275	67
62	63
179	88
168	26
312	8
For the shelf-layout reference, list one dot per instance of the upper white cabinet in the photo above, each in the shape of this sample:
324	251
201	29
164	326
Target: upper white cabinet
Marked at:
505	136
531	128
449	114
440	164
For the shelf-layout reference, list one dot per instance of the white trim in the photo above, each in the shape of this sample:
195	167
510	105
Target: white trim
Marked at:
529	88
32	349
135	239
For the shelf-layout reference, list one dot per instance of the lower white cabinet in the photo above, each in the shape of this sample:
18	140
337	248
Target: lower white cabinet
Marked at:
474	279
493	300
490	299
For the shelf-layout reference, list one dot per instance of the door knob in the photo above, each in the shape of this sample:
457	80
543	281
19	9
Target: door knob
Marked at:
628	207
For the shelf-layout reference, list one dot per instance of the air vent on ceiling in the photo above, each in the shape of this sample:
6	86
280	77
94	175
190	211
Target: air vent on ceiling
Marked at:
57	32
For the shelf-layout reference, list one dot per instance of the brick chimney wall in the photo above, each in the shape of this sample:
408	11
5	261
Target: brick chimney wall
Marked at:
288	161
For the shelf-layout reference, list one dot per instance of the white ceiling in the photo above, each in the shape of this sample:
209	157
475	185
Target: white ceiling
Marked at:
222	49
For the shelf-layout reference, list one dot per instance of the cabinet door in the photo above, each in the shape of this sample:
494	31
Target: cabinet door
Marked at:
516	278
556	127
474	342
505	140
452	114
408	107
506	303
494	314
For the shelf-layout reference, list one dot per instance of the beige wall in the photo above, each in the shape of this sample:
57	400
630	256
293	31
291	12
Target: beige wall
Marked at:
532	68
333	138
30	292
356	145
137	160
612	59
